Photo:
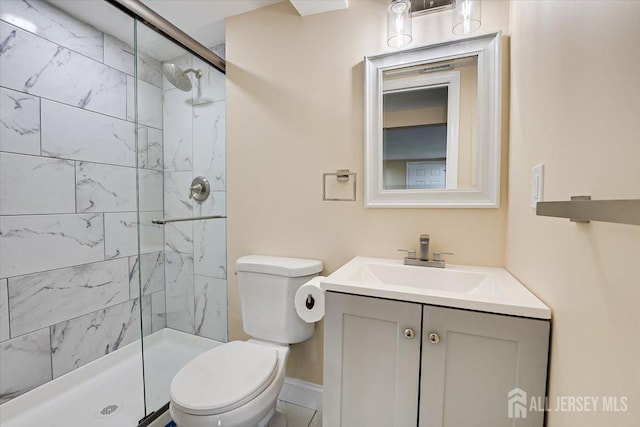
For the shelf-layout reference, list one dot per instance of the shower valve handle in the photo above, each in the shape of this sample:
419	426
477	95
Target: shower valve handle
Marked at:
195	189
199	189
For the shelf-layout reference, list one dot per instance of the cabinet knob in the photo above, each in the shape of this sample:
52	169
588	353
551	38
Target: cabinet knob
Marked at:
433	338
409	334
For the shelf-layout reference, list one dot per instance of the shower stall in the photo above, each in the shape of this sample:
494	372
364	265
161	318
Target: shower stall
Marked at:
110	131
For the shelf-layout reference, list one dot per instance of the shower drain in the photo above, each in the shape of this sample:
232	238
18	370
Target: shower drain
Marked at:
107	411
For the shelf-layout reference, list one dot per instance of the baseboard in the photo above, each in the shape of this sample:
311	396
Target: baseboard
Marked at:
302	393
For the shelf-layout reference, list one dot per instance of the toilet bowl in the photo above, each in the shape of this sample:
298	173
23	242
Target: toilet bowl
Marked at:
237	384
256	378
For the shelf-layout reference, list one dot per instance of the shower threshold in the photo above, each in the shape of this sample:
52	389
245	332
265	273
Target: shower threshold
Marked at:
108	392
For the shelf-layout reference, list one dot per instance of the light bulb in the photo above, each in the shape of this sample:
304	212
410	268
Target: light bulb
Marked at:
399	23
466	16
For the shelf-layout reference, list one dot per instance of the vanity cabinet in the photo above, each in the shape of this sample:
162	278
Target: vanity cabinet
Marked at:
472	360
371	371
393	363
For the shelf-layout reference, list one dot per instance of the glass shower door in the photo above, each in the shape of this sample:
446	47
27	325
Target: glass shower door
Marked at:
69	303
181	266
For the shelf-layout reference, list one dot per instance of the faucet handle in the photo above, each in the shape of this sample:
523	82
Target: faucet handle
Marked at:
437	255
195	189
411	254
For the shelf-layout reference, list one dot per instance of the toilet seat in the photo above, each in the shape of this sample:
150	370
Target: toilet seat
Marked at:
224	378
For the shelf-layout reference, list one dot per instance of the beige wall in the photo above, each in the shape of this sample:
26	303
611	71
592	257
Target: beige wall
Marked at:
295	110
415	117
467	138
575	106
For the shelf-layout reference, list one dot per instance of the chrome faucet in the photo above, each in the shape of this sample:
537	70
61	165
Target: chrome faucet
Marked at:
424	247
424	261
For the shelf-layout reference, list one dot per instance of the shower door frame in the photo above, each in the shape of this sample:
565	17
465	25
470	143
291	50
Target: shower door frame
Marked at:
146	16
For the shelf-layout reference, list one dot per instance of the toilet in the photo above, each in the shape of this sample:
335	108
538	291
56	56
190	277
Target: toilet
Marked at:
237	384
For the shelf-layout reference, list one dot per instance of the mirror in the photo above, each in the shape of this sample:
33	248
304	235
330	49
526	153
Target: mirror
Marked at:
432	131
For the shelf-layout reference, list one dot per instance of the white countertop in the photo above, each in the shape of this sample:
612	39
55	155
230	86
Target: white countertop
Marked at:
487	289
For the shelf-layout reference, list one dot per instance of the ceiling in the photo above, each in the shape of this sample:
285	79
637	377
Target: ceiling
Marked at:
204	19
201	19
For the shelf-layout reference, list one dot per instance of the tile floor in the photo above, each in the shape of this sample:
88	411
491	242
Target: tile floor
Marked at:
299	416
296	415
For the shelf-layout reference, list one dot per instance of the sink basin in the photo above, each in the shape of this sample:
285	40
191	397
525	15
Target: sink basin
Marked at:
423	278
487	289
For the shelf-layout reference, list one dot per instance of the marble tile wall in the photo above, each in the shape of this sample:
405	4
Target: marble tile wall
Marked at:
44	299
70	273
194	145
69	147
25	363
95	334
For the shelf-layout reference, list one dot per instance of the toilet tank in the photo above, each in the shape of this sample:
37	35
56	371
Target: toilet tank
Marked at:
267	287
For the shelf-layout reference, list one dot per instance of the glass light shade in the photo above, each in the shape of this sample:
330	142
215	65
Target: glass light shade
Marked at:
466	16
399	23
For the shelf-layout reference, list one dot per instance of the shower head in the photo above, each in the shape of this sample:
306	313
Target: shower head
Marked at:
178	77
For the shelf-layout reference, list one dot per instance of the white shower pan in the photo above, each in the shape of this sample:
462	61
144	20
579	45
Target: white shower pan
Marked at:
108	392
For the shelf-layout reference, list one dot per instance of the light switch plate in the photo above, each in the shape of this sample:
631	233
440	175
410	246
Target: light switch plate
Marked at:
537	184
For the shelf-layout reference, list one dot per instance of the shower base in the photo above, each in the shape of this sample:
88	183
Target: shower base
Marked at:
108	391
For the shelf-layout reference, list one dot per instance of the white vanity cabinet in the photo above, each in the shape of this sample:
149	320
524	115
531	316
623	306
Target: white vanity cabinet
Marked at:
455	371
472	360
371	371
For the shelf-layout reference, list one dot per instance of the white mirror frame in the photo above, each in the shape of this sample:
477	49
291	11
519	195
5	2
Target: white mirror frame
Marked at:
487	192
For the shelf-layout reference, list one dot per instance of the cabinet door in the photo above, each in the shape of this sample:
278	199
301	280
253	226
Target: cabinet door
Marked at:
371	370
479	359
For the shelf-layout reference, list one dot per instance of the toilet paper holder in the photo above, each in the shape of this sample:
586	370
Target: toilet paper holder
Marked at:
309	302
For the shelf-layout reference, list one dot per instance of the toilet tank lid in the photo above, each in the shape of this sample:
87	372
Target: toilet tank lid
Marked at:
280	266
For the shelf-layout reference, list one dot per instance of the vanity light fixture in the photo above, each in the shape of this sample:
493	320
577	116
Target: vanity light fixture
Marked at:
399	23
422	7
466	16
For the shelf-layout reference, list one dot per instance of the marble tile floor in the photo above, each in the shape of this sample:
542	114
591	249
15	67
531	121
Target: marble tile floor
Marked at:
299	416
